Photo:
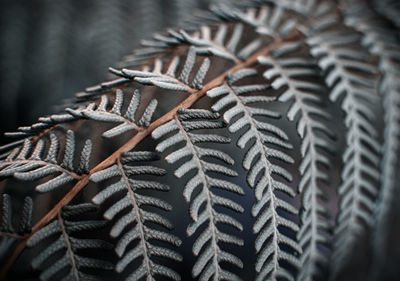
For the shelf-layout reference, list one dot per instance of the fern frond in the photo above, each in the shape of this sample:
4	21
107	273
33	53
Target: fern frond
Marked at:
64	256
28	131
292	73
170	79
58	118
304	7
134	225
30	163
267	20
339	55
225	43
390	9
13	226
207	245
271	240
204	43
127	121
95	91
6	221
381	41
44	123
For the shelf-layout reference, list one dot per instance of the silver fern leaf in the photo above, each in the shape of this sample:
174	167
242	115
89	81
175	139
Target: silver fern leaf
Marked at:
127	121
169	80
204	43
386	47
207	245
257	161
7	225
140	231
339	55
291	73
64	256
30	163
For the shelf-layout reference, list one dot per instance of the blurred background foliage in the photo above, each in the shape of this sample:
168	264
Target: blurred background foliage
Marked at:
50	49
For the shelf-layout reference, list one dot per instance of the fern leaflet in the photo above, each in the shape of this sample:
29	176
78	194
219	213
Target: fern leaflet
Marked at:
360	174
140	232
64	234
204	44
114	115
257	136
268	20
30	163
6	224
292	73
169	80
382	42
207	245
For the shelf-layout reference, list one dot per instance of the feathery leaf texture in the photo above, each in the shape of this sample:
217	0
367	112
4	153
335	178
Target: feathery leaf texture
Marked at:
66	250
169	80
225	44
133	225
266	66
32	162
257	137
203	43
381	41
268	21
291	73
14	227
349	75
304	7
7	224
114	115
207	245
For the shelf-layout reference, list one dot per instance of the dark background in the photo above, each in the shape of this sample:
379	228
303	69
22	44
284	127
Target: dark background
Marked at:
51	49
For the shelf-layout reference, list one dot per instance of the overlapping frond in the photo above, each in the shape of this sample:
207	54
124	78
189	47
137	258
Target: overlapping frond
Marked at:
381	41
292	73
133	229
204	203
127	121
32	162
304	7
268	20
226	42
349	76
389	9
66	255
260	138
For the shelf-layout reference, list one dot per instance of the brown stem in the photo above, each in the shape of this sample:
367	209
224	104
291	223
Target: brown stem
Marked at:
134	141
12	235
